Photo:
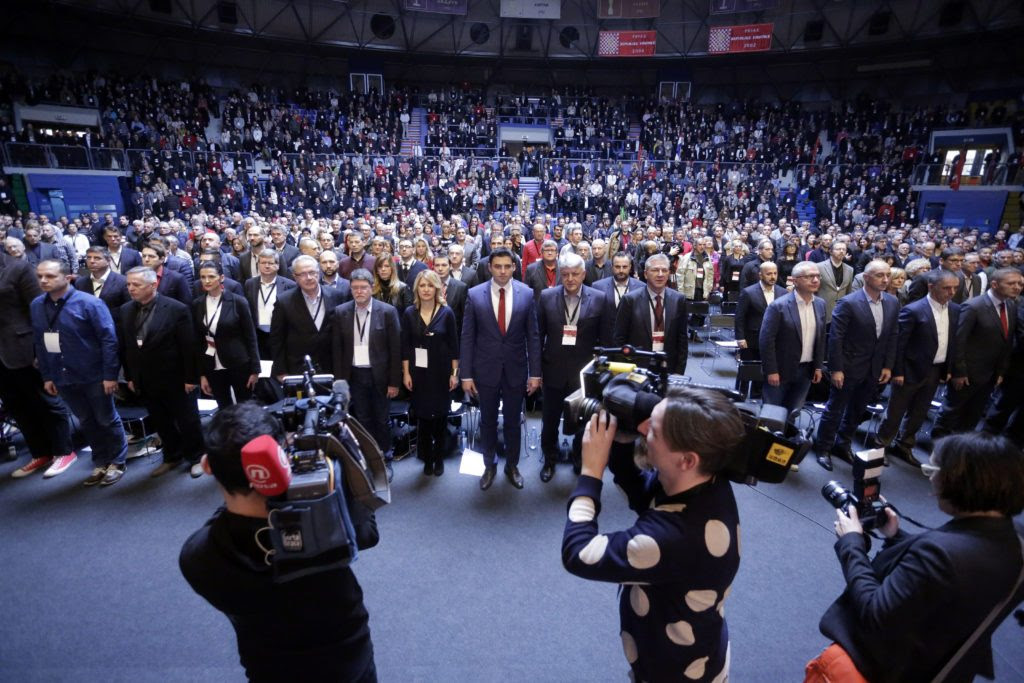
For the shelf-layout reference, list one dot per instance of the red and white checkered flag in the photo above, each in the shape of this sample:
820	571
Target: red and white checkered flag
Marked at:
608	44
719	39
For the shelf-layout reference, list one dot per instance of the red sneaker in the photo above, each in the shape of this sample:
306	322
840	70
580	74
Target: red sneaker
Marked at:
60	463
32	465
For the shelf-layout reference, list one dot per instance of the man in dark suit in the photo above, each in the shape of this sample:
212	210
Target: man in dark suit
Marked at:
453	291
104	282
122	258
1006	416
543	274
35	249
984	342
42	419
366	338
301	322
751	307
500	359
861	354
176	264
408	267
792	341
459	270
288	252
169	283
654	318
620	283
228	261
158	348
925	347
262	293
599	266
950	261
750	273
570	318
248	261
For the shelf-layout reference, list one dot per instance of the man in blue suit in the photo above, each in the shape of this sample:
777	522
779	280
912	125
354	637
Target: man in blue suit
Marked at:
792	341
501	360
571	318
924	351
861	355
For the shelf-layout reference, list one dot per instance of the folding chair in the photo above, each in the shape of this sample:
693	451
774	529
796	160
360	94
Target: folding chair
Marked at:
134	420
748	372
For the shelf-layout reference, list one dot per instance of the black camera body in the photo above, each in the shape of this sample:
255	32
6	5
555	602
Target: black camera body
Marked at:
630	391
866	496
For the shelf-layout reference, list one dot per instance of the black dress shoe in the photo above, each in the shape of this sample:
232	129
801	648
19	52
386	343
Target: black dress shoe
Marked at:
513	476
825	461
438	468
903	453
547	472
488	477
843	453
428	467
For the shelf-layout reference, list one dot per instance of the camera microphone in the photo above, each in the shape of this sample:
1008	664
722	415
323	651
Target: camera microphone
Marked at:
266	466
340	394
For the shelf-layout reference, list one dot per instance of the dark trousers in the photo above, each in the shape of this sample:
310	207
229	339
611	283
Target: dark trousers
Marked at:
98	421
963	407
554	399
44	420
370	406
843	412
908	409
1007	413
430	438
223	381
791	392
511	399
263	344
175	417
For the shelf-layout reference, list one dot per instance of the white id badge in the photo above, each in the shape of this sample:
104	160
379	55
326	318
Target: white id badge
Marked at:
658	339
264	318
361	356
700	273
735	276
568	335
51	340
421	358
211	346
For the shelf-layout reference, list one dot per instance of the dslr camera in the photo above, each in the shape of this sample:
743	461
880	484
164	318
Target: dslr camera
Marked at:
866	496
628	383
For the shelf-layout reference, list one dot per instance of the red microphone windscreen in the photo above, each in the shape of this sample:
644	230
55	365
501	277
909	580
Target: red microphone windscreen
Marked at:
266	466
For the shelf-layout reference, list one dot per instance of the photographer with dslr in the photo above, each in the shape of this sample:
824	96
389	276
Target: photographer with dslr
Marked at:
313	627
925	607
682	553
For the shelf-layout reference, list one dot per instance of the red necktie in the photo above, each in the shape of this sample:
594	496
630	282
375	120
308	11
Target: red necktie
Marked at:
659	315
501	311
1004	320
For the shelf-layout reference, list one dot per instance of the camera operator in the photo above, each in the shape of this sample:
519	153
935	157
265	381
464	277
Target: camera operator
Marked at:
906	614
682	552
311	628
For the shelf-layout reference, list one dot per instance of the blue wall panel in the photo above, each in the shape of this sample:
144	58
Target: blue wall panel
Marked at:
980	209
82	192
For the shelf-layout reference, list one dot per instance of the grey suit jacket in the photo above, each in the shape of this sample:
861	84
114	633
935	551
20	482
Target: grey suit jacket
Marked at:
830	292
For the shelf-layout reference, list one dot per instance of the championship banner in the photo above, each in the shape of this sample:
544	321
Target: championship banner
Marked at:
531	9
627	43
439	6
735	6
628	9
744	38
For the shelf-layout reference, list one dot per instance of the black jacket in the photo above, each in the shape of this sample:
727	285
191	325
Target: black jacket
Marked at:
235	337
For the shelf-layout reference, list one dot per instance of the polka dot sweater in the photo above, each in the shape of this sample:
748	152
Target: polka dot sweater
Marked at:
675	567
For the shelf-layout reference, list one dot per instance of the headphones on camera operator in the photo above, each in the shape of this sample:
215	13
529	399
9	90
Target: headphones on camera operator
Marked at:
323	487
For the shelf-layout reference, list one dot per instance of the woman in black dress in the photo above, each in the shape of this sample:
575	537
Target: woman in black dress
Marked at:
732	266
229	358
430	366
388	288
787	262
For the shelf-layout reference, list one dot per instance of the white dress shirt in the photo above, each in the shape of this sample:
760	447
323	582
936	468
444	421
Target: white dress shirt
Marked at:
361	318
941	314
315	306
99	282
808	328
210	320
769	293
266	297
495	298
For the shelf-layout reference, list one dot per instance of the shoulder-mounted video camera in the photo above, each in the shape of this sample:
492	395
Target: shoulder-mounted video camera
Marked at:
323	485
629	388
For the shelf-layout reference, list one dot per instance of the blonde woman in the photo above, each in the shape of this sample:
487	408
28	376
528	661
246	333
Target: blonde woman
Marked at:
430	366
421	250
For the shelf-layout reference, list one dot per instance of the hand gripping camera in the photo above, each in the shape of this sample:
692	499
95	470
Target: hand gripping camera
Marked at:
629	389
866	496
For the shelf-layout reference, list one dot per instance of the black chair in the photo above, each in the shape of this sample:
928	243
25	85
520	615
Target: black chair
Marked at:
748	372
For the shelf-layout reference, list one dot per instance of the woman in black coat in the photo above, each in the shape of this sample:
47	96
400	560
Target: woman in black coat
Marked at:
430	365
388	288
731	267
906	613
225	339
